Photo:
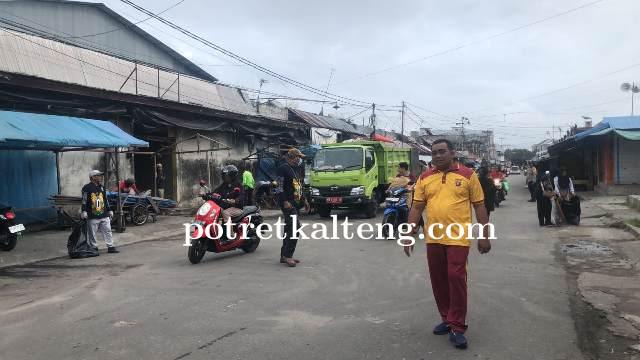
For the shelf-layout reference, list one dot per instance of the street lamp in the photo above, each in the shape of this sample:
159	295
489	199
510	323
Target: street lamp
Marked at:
633	88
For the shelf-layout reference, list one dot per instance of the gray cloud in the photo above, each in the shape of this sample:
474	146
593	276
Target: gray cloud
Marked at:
304	39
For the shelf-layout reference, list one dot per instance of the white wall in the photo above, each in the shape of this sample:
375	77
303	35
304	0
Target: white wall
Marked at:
320	136
75	166
629	161
192	167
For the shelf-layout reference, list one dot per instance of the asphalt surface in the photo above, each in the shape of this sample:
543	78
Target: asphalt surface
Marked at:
348	299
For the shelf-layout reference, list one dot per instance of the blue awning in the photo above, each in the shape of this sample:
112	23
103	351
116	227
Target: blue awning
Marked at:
20	130
608	124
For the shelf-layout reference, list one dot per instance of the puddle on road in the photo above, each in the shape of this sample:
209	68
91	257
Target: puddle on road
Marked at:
585	247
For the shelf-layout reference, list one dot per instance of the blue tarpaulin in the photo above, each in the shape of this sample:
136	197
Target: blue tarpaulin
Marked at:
20	130
28	179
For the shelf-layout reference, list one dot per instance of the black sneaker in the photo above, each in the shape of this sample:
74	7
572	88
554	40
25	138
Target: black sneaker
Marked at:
441	329
458	340
112	250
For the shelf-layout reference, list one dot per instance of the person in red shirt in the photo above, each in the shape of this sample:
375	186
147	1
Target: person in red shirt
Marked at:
496	173
128	186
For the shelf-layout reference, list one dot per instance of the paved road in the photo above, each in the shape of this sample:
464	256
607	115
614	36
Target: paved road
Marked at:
349	299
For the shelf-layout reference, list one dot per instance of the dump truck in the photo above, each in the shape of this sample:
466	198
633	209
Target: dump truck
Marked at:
356	175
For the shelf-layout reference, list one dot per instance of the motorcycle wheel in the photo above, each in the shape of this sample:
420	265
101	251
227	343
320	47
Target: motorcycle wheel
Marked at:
9	242
388	219
197	250
252	245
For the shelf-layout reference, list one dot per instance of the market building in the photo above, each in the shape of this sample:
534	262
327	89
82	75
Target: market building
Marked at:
603	157
192	124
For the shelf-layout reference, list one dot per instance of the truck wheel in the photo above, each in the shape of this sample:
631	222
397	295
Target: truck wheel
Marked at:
324	211
370	210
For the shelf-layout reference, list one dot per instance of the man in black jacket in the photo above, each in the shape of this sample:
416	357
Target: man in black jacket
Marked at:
96	209
290	199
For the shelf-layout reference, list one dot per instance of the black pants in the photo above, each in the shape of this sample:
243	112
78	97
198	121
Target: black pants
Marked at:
289	244
544	210
532	188
248	194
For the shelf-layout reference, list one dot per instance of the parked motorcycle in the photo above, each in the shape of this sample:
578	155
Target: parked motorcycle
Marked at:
500	191
396	210
211	212
9	230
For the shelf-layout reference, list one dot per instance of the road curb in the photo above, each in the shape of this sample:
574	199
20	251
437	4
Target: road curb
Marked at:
633	229
101	248
166	234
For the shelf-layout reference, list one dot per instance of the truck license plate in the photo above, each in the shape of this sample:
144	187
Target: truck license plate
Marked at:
334	200
15	228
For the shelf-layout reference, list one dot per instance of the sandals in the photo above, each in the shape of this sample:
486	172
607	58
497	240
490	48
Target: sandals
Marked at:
291	262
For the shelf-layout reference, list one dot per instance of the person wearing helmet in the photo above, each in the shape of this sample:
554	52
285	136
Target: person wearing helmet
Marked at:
128	186
231	193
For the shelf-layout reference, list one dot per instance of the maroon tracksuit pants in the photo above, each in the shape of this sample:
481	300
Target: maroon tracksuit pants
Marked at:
448	272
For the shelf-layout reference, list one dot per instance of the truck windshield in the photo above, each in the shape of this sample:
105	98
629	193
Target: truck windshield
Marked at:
337	159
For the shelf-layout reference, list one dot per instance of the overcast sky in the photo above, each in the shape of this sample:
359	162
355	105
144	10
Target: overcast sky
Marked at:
504	75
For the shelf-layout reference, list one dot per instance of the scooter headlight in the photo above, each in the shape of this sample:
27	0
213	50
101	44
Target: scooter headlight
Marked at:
357	190
315	192
204	209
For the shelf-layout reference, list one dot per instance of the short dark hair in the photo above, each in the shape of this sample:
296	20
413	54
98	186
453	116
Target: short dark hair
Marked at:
404	165
444	141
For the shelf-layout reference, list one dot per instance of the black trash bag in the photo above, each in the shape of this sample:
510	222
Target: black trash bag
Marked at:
571	210
78	242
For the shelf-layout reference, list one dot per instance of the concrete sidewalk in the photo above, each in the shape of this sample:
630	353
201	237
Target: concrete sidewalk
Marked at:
51	244
602	258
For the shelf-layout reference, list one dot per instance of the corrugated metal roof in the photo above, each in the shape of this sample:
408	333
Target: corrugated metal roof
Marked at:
23	10
35	56
327	122
618	122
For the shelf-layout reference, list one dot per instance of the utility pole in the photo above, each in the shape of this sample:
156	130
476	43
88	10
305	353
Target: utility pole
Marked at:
402	126
327	91
463	121
372	119
262	81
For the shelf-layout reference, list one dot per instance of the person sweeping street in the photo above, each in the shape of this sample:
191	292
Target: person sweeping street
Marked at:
448	192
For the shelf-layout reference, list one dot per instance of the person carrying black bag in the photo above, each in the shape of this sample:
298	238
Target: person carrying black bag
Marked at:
290	199
544	191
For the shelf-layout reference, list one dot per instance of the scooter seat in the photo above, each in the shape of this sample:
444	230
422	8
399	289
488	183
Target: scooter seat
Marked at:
246	211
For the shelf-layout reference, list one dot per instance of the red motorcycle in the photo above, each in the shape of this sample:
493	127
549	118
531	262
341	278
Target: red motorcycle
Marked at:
210	213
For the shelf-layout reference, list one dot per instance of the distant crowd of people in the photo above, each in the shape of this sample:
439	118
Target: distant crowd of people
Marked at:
554	194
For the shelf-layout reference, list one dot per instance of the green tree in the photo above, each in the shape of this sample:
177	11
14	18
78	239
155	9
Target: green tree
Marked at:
518	156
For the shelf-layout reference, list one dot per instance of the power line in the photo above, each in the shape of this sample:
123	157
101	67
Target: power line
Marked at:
55	37
547	93
127	26
212	105
475	42
241	59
